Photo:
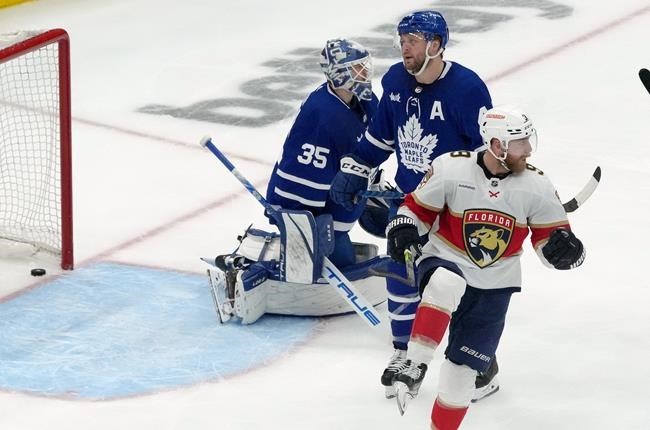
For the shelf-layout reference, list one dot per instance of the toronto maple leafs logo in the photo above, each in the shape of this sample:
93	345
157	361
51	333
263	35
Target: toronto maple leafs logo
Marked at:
416	150
394	97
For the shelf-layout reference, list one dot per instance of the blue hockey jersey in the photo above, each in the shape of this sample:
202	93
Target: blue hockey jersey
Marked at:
325	130
420	122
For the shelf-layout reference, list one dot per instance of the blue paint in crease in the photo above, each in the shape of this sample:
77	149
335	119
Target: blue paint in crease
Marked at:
114	330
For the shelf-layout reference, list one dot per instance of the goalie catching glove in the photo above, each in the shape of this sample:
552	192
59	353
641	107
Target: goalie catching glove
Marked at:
402	234
564	250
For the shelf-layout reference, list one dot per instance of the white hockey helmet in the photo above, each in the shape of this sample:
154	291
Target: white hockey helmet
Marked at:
508	124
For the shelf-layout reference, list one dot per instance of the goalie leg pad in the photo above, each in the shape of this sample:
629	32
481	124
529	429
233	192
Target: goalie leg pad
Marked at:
251	291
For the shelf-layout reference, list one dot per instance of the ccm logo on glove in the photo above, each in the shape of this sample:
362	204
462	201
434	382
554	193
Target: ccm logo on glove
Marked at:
349	165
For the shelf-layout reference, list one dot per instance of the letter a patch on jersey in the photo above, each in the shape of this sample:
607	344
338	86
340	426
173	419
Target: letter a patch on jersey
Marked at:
486	234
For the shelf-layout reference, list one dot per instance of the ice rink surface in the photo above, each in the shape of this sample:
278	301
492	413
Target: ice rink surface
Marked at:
150	78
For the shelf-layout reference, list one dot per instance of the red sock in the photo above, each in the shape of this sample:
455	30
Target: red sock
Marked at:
430	324
445	417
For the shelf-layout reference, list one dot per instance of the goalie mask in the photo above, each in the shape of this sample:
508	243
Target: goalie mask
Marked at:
513	128
347	65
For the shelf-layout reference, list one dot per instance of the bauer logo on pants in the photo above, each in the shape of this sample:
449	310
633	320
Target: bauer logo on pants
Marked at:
486	234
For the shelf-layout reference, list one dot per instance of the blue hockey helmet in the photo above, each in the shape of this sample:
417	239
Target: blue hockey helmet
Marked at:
427	22
348	65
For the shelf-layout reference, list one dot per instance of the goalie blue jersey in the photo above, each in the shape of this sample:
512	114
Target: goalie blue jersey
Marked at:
324	131
420	122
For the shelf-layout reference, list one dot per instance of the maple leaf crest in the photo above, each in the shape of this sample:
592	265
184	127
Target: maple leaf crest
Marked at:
416	151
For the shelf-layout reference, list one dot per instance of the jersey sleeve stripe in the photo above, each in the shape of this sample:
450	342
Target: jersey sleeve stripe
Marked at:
386	145
304	201
539	235
343	226
426	214
301	181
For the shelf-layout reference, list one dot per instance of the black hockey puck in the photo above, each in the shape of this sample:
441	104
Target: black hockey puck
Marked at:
38	272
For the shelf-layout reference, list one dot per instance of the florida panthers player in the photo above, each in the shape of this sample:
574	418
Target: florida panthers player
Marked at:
329	124
485	204
429	106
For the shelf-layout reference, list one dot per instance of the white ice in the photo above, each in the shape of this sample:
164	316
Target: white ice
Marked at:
574	351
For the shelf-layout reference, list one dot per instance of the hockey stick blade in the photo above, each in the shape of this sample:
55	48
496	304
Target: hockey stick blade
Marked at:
383	270
585	193
644	75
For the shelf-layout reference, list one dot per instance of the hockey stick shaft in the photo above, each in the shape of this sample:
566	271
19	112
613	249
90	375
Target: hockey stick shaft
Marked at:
569	206
333	276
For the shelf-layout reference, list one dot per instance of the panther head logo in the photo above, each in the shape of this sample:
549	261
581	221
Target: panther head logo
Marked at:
489	243
487	234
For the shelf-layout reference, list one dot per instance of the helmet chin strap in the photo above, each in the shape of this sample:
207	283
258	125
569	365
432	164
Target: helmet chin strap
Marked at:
427	57
501	160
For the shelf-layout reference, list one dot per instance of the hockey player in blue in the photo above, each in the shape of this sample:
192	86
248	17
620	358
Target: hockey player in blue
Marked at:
280	272
429	107
329	125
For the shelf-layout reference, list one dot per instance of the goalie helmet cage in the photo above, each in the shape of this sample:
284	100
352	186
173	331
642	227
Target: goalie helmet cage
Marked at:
35	141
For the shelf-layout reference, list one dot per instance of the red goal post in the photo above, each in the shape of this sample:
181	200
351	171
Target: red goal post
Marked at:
35	141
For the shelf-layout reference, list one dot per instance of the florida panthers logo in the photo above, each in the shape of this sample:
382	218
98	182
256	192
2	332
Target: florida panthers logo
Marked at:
486	234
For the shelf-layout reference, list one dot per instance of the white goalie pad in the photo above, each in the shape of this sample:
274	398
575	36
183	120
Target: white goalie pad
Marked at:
260	245
319	299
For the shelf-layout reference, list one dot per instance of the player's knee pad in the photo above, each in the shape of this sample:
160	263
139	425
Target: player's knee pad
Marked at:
444	290
250	293
456	384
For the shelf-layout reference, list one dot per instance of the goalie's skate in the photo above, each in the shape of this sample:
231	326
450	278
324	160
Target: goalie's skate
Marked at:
407	384
223	293
396	364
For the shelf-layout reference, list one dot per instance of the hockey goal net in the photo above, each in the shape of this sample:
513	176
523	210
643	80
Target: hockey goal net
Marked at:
35	135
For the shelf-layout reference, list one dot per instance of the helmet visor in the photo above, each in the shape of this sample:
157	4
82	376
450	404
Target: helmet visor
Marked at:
524	146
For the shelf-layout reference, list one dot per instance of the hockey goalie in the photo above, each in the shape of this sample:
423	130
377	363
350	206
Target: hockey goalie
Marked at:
279	272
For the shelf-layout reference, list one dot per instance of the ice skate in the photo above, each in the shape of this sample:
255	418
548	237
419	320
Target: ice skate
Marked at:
222	287
397	363
486	390
486	382
407	383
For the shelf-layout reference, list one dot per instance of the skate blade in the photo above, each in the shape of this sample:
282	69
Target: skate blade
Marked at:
483	396
403	396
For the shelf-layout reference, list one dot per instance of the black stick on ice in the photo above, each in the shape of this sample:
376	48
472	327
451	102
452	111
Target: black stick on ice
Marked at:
644	74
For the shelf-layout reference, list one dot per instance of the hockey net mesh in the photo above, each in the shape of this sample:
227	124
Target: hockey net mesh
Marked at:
30	169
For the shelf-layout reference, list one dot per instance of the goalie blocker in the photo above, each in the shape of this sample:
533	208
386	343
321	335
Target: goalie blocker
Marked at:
280	273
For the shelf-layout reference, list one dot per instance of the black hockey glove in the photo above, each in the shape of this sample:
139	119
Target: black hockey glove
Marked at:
564	250
402	234
352	178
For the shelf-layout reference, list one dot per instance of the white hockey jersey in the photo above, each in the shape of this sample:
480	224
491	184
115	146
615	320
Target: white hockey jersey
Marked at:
482	221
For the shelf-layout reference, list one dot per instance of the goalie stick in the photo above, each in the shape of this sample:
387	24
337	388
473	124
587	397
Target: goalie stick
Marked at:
644	75
569	206
333	276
